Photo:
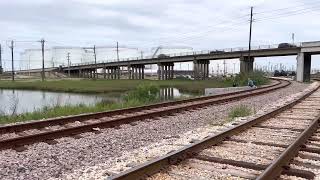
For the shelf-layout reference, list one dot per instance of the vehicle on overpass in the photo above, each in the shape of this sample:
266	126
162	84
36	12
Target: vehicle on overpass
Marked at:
286	45
216	52
163	56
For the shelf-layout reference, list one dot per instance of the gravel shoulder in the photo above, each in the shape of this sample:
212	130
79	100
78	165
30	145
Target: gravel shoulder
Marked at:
96	156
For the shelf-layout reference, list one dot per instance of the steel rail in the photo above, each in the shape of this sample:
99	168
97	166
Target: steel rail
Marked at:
280	164
71	131
83	117
149	168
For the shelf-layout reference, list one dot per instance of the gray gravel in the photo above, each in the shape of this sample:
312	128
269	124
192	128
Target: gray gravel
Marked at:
43	161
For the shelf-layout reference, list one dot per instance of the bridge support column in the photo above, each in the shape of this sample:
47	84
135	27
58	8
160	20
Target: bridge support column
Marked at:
129	71
118	72
201	69
90	73
142	71
108	73
139	73
303	67
159	72
80	73
162	72
104	72
246	64
112	73
165	71
195	70
134	71
135	76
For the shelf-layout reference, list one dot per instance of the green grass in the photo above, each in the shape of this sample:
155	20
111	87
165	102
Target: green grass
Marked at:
239	111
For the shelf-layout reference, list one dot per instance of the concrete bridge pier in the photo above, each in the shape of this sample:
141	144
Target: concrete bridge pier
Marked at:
95	75
111	73
201	69
136	71
91	74
118	72
104	71
165	71
303	67
246	64
129	72
80	75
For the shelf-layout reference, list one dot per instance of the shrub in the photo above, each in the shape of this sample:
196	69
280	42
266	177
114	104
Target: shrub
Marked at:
257	76
144	93
240	111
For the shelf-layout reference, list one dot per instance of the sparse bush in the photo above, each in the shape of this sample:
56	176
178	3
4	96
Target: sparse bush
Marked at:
240	111
144	93
258	77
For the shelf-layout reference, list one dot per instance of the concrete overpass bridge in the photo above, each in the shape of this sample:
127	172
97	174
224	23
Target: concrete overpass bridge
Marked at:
201	60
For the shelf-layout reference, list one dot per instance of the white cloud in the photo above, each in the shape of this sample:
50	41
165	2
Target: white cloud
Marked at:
202	24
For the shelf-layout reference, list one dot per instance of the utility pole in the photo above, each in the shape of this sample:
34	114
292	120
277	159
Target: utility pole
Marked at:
292	38
141	52
1	70
12	65
95	61
117	51
68	57
224	67
250	34
42	49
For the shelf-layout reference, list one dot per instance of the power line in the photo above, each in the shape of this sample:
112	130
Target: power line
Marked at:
290	13
282	9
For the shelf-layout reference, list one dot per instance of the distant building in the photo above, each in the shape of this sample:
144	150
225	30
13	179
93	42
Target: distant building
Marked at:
32	58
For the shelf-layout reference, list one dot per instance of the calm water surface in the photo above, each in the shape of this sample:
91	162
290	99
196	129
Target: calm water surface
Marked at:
22	101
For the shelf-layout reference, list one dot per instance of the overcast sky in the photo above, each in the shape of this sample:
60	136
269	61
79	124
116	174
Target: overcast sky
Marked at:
201	24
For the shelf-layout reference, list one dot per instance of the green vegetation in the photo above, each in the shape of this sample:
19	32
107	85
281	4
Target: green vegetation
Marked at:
257	76
142	95
239	111
107	86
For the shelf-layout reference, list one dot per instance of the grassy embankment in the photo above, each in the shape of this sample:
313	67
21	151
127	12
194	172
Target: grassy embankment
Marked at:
141	92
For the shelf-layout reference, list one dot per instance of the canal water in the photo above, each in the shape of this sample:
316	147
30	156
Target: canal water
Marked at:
20	101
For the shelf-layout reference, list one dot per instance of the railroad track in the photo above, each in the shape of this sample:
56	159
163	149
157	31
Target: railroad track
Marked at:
18	135
281	144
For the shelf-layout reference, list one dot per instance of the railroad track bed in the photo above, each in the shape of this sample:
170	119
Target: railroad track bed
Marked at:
97	155
251	153
19	135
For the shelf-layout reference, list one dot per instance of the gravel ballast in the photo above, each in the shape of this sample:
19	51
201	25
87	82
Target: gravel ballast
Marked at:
100	155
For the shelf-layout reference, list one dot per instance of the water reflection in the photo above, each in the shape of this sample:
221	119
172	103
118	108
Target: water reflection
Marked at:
172	93
20	101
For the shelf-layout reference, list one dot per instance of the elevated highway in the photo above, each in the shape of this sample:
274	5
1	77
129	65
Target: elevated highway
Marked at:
201	60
